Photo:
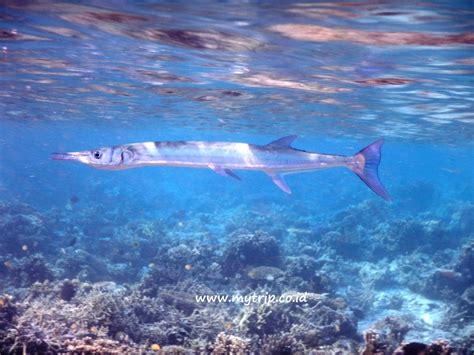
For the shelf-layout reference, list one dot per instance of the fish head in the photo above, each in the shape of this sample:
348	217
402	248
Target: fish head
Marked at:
108	158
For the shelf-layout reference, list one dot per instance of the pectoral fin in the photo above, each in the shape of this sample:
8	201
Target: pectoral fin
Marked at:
278	181
224	172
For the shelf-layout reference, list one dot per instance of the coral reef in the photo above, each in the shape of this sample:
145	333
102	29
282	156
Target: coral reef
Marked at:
23	229
132	286
316	322
229	344
388	334
246	249
28	270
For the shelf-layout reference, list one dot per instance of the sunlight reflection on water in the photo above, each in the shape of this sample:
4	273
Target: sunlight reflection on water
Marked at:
320	68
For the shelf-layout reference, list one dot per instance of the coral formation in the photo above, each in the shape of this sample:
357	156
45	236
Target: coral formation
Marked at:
249	249
316	322
87	293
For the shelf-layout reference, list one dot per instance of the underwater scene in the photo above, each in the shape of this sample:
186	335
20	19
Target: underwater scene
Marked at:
236	177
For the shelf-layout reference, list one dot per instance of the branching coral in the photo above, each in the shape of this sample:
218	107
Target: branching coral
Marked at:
319	321
230	344
386	335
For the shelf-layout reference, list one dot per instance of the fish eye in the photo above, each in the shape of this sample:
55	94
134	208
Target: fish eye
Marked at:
97	154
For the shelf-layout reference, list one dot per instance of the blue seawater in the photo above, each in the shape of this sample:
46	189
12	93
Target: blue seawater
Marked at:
113	261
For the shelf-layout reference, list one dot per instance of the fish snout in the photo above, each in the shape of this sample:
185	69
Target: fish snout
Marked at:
68	156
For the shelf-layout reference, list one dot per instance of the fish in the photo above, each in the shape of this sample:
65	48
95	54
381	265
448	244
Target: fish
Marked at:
276	159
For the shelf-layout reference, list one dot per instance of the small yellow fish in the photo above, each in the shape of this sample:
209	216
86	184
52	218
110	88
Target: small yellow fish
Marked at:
155	347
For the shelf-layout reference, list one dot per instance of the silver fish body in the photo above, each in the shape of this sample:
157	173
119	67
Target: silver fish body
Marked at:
276	159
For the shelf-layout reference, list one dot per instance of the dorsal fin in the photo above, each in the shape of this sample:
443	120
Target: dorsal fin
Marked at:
283	142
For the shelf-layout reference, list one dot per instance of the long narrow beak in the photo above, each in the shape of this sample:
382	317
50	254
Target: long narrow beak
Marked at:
68	156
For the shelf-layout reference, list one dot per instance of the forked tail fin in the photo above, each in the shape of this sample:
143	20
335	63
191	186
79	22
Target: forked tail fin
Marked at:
366	165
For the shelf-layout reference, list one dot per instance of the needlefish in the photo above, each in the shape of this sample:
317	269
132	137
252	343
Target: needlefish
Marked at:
276	159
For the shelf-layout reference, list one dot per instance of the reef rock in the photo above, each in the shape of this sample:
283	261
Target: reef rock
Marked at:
246	249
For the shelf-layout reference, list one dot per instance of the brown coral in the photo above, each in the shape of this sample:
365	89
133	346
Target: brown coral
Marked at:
230	344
